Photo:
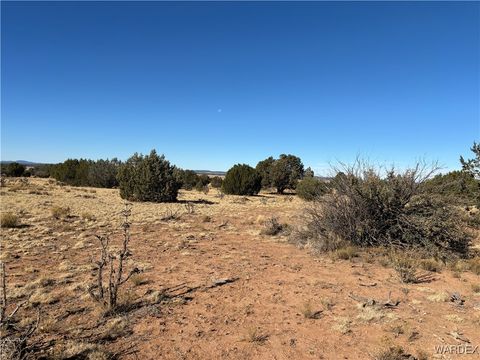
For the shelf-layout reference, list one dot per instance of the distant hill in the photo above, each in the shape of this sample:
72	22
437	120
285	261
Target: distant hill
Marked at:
31	163
23	162
210	172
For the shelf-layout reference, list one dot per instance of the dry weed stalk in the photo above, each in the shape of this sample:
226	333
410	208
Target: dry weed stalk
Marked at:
13	340
170	214
107	294
190	208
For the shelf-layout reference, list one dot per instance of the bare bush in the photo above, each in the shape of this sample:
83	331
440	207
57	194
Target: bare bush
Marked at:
370	206
170	214
106	290
190	208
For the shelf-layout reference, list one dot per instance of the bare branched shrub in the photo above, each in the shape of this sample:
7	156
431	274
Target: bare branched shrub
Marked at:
220	194
406	270
14	339
170	214
190	208
106	290
370	206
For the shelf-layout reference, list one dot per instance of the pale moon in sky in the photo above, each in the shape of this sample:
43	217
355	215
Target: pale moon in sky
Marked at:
219	110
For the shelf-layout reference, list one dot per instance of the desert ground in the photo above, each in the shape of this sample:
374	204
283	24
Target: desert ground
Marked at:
214	285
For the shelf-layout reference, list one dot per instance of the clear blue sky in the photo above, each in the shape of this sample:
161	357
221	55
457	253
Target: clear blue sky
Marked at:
216	83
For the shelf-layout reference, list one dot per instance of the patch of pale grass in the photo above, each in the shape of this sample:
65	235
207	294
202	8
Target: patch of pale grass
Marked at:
370	314
43	297
454	318
441	296
343	325
115	328
9	220
83	350
59	212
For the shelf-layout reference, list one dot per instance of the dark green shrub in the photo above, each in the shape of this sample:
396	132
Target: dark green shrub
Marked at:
310	188
264	168
188	179
286	172
282	173
72	172
216	182
242	179
42	170
308	172
457	187
101	173
472	166
148	178
14	169
202	182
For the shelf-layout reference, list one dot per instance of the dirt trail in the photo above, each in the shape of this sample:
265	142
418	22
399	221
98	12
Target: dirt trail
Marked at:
261	315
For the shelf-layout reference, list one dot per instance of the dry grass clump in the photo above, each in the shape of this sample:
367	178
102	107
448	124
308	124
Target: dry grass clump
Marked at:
272	227
43	296
255	335
441	296
88	216
59	212
346	253
430	265
406	269
9	220
115	328
370	314
309	312
82	350
396	353
327	303
472	265
476	288
343	325
138	280
42	282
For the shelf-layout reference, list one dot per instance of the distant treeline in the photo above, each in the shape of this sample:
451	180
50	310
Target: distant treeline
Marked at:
102	173
152	178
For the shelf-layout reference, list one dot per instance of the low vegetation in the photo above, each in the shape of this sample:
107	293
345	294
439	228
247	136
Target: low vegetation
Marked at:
311	188
366	208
